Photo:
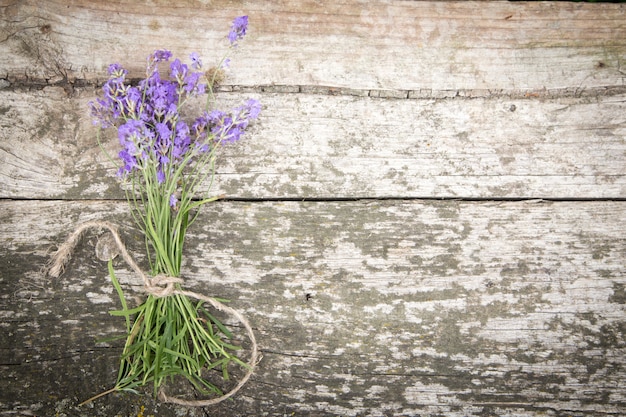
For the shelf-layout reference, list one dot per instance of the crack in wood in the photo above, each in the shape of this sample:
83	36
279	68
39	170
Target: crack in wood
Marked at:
389	94
528	200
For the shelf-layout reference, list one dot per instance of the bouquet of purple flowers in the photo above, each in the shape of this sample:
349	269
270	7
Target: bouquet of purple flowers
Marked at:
164	159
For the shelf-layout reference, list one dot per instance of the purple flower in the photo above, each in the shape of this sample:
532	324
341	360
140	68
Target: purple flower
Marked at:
196	63
116	72
161	155
150	127
178	70
199	126
162	151
132	102
129	160
102	112
202	147
157	56
238	29
163	130
254	108
161	55
160	176
181	141
130	129
173	201
191	82
162	96
230	127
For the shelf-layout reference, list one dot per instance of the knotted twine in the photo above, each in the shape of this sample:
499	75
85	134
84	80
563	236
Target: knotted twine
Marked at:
158	286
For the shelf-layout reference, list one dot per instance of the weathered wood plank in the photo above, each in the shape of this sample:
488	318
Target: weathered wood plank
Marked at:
417	308
424	47
319	146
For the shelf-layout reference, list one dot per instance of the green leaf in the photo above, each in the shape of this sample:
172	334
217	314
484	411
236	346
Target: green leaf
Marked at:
127	313
120	292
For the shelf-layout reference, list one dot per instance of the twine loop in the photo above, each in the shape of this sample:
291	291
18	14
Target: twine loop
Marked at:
158	286
162	285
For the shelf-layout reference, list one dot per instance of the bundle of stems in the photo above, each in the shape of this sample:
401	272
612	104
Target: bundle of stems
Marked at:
171	336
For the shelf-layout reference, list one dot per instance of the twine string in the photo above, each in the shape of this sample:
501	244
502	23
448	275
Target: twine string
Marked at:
158	286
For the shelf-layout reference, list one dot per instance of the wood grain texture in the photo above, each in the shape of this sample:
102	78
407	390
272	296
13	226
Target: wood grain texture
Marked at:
390	45
320	146
437	308
362	305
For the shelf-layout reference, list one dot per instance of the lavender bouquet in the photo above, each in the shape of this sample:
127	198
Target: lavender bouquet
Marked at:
164	159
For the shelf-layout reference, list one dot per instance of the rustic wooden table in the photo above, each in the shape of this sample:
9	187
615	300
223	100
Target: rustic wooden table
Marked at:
428	219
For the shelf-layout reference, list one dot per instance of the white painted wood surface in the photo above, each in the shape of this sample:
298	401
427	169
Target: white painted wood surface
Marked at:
452	308
387	45
321	146
415	306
